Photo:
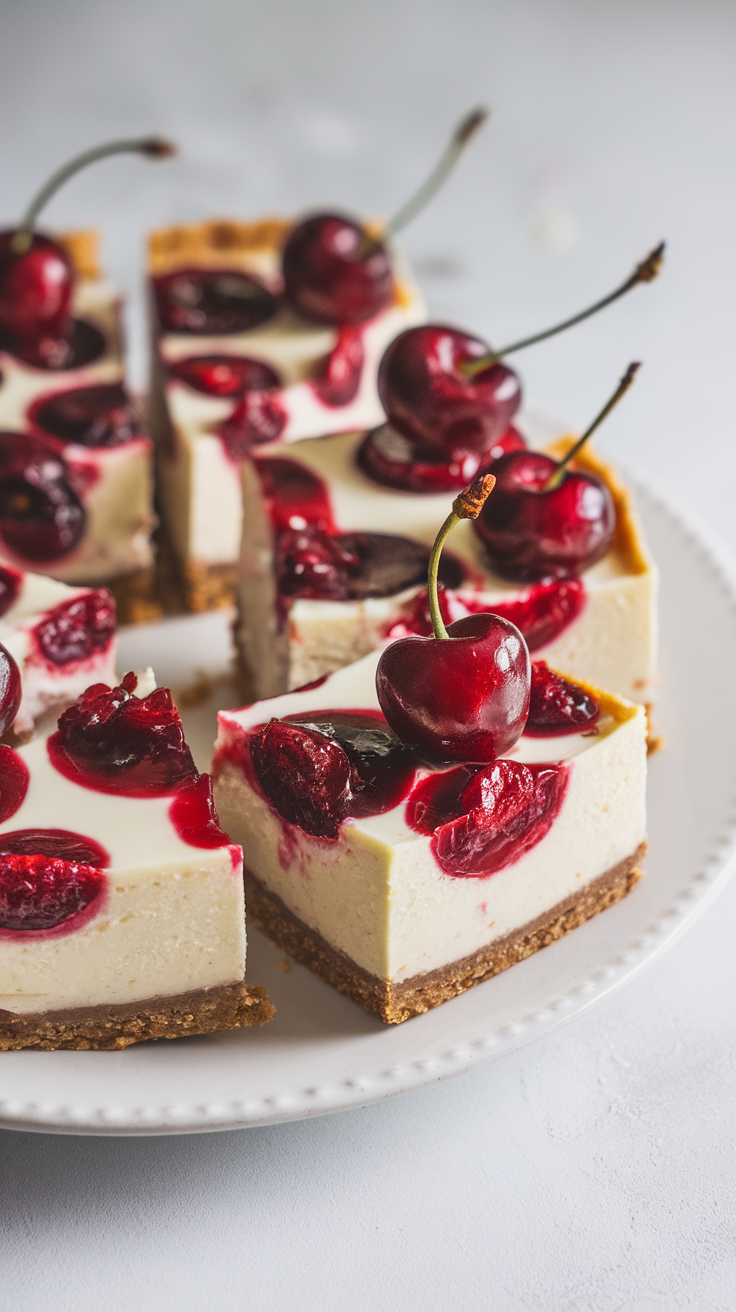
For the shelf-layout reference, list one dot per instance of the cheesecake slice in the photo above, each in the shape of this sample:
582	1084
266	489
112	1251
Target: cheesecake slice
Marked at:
121	899
397	883
61	638
332	563
234	366
76	467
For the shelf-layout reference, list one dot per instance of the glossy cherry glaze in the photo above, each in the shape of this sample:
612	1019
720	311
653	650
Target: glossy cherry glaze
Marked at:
318	769
460	698
63	844
293	495
114	742
337	378
531	534
389	458
78	629
44	892
482	821
10	586
332	274
541	612
10	689
35	289
258	417
98	416
432	402
80	344
558	706
211	302
14	779
224	375
194	817
41	516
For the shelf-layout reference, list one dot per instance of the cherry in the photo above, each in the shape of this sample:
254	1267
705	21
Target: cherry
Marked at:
258	417
305	774
382	769
11	581
98	416
335	272
353	566
10	689
464	694
224	375
41	892
36	275
115	742
194	817
338	376
546	521
75	630
557	705
431	401
14	780
41	516
61	843
388	457
212	302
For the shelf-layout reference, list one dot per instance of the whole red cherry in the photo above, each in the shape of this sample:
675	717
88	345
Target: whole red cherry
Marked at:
462	695
389	458
532	532
35	289
334	273
429	398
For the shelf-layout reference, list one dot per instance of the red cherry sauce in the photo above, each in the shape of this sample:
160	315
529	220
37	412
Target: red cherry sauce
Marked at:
14	779
194	817
224	375
114	742
211	301
558	706
80	344
481	821
76	630
94	417
389	458
542	612
10	585
51	882
258	417
337	377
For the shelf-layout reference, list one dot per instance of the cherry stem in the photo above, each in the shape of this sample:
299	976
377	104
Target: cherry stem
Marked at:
467	505
645	272
152	147
628	378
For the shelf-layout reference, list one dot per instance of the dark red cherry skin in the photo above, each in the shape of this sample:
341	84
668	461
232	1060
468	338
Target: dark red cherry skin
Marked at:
42	892
10	585
98	416
557	705
331	275
211	302
224	375
78	629
389	458
305	775
427	398
258	417
35	289
460	698
530	534
10	689
14	780
41	516
338	376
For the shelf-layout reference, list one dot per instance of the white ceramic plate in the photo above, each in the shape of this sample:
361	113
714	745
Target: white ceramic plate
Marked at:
322	1052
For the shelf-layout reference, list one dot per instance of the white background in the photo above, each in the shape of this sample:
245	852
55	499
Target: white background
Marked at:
594	1170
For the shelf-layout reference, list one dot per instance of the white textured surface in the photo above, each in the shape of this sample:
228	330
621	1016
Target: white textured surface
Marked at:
593	1170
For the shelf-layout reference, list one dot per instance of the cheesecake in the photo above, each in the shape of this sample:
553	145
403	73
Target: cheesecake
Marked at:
121	899
61	638
76	466
399	883
234	366
333	563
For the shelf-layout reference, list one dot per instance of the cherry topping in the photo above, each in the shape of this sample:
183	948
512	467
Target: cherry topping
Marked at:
212	302
41	516
61	843
305	775
258	417
464	694
10	689
353	566
541	612
338	376
35	289
224	375
10	585
295	496
115	742
557	705
99	416
389	458
333	274
382	768
14	779
194	817
76	629
431	401
482	822
41	892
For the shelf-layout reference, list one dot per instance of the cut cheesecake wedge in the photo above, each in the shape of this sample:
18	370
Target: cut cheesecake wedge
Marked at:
398	890
332	563
121	899
234	366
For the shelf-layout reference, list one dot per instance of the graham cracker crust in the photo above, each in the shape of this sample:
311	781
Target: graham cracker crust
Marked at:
202	1011
398	1002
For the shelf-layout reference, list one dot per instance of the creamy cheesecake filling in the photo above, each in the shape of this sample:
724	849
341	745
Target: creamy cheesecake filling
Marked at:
378	895
611	643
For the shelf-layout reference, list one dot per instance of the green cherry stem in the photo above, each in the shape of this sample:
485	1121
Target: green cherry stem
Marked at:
645	272
467	505
628	378
152	147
